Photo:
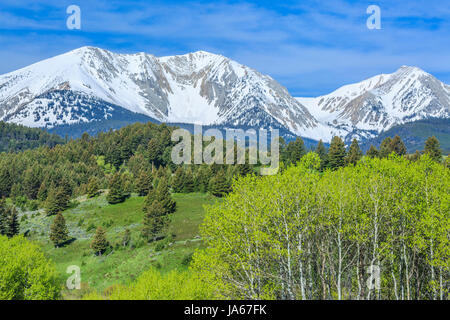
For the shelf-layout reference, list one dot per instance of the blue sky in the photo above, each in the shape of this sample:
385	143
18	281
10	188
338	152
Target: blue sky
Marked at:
311	47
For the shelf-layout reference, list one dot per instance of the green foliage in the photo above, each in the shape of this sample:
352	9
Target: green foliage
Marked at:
354	153
219	185
25	273
15	138
92	188
336	153
9	222
397	146
433	149
57	201
155	221
144	183
323	155
304	234
162	195
152	285
372	152
295	150
116	193
99	243
58	230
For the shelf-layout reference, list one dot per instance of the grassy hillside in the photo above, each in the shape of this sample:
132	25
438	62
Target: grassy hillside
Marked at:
121	265
415	134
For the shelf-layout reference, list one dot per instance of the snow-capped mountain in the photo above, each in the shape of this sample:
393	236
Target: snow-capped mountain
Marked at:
367	108
204	88
88	85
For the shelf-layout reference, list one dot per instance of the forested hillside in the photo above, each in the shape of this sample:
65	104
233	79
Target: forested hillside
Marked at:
118	207
18	138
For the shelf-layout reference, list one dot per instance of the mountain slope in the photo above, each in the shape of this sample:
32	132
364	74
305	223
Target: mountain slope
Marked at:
195	88
365	109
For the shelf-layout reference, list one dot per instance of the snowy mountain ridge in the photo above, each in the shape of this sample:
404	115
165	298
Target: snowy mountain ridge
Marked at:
90	84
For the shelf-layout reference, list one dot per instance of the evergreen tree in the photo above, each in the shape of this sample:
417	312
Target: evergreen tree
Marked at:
116	193
416	156
5	182
3	217
372	152
219	185
42	192
144	183
154	152
385	147
58	230
244	169
398	146
99	243
202	179
178	180
155	221
295	150
322	152
354	153
12	222
56	201
163	196
433	149
32	182
336	153
92	187
188	186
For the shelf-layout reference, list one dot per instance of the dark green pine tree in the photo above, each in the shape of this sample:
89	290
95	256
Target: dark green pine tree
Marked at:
56	201
336	153
202	178
3	217
188	182
295	150
155	221
92	187
58	230
116	193
163	196
385	147
178	180
323	155
244	169
372	152
144	183
5	182
154	152
398	146
32	182
433	149
219	185
354	153
12	222
99	243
